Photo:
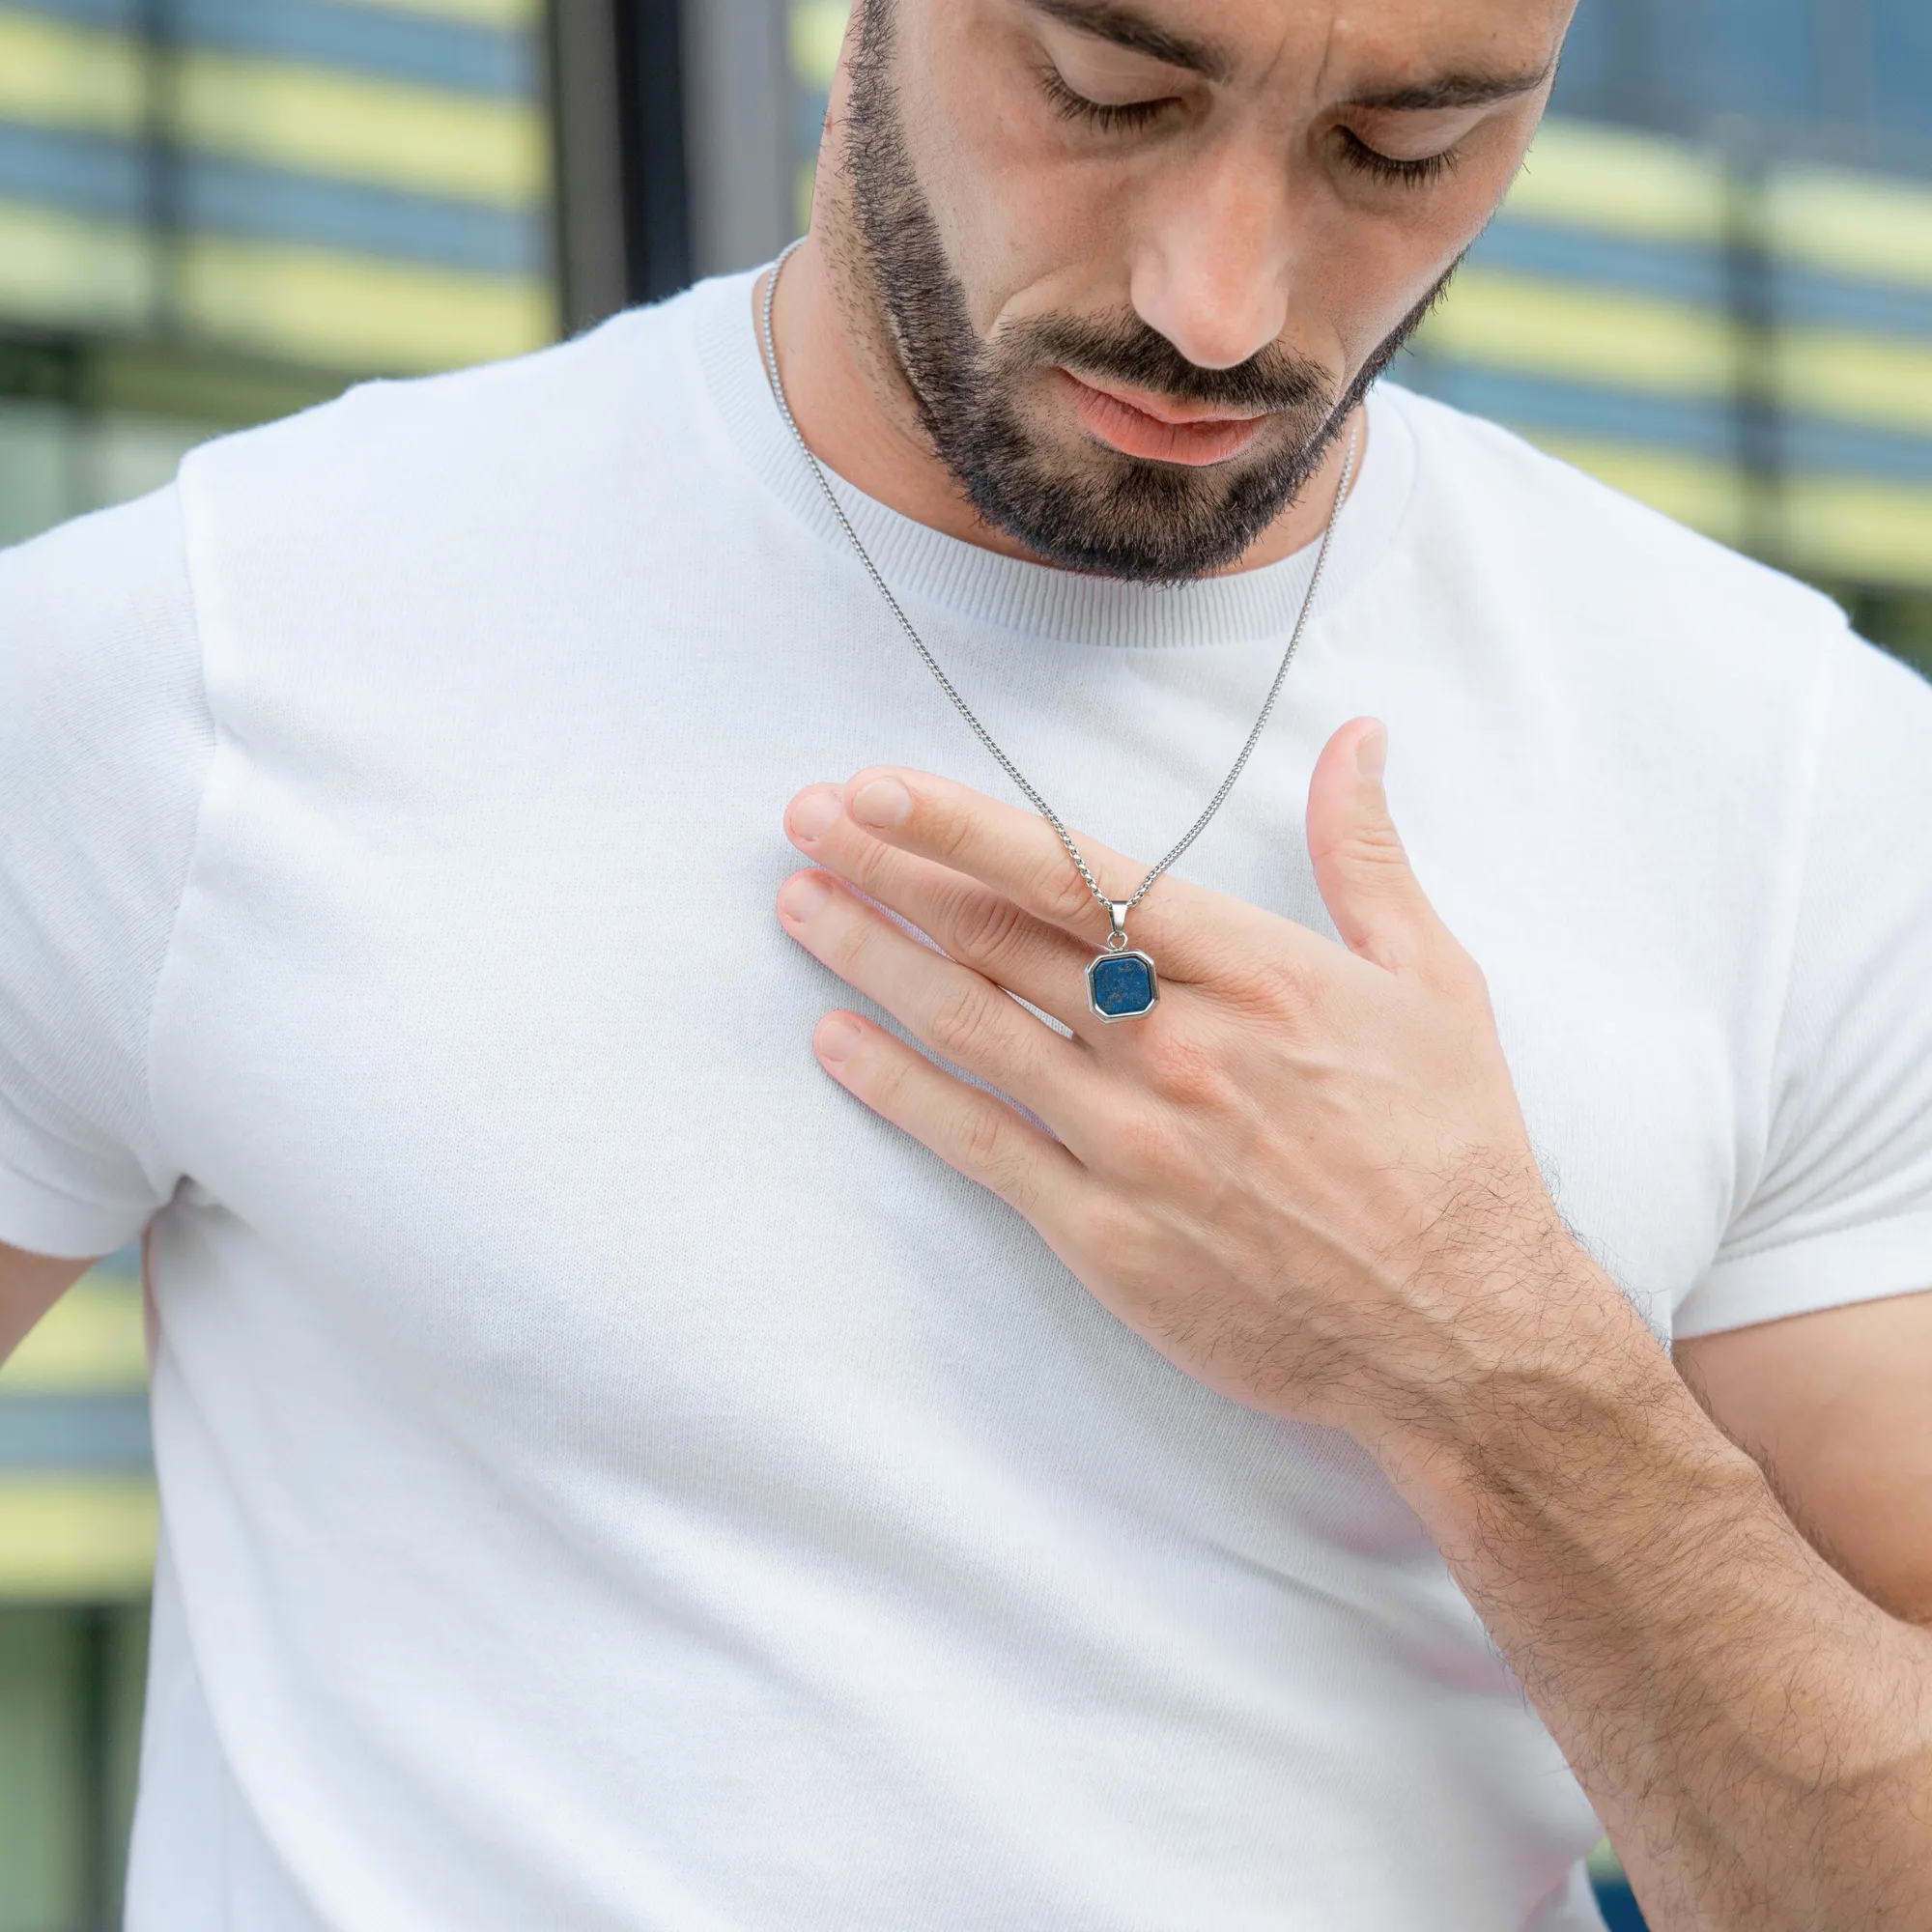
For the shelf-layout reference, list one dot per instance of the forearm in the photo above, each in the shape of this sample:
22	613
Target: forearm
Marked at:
1756	1734
1308	1182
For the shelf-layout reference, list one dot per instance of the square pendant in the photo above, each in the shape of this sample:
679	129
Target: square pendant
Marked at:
1122	986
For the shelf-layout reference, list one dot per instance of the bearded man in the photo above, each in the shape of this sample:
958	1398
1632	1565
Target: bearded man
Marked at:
1179	1430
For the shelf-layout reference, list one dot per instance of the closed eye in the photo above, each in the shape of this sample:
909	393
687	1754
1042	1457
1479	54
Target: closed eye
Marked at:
1372	162
1114	115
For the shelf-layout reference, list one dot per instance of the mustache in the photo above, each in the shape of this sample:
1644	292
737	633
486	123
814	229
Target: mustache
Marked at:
1126	350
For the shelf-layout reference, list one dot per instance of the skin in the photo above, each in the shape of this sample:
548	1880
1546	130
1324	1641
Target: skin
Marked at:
1233	220
1305	1177
29	1285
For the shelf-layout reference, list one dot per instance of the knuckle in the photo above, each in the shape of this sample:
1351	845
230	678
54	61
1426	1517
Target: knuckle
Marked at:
1452	970
1140	1144
1186	1073
1103	1235
984	925
1276	989
981	1137
944	830
1467	976
1060	893
1375	848
879	1079
989	1152
960	1020
854	947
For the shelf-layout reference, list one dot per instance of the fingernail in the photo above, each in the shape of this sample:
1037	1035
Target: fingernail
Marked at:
813	814
1372	753
883	803
803	894
835	1038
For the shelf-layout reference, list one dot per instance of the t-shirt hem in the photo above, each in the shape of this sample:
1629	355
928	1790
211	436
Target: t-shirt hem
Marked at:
1867	1263
42	1220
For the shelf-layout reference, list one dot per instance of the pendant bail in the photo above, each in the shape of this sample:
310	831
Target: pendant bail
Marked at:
1116	913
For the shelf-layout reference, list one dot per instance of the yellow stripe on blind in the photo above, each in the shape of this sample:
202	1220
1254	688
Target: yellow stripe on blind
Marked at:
1581	333
333	310
56	74
67	270
1575	330
1853	224
77	1537
1708	496
1861	530
1883	380
505	16
306	118
357	312
817	32
1853	528
1578	174
390	133
91	1339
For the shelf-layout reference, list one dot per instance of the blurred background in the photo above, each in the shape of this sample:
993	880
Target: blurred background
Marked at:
1711	285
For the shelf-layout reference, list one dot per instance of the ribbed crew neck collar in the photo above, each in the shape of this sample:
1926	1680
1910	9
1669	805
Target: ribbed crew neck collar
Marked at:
926	565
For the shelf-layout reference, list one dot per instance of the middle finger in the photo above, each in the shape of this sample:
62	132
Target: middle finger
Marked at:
1044	965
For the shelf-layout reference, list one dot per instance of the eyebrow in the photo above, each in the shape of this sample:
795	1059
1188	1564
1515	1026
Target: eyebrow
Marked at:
1107	20
1123	27
1452	90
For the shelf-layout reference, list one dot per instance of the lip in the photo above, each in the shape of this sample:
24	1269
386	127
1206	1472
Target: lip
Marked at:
1157	428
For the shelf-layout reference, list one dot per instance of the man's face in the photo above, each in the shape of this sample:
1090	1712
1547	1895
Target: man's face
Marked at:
1138	259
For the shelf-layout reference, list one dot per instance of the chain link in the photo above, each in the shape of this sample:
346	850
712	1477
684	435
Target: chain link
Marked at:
1116	910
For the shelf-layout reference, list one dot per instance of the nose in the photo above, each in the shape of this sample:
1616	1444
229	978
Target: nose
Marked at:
1210	275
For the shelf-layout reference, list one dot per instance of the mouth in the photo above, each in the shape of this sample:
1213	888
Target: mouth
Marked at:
1157	428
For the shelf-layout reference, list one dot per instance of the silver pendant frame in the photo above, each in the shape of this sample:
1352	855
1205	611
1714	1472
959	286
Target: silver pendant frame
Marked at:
1154	983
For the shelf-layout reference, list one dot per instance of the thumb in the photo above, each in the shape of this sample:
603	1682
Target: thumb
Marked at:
1364	875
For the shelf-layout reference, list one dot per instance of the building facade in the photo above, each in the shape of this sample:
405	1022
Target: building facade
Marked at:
212	212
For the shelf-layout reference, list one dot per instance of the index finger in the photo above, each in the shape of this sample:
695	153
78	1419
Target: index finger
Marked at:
1019	855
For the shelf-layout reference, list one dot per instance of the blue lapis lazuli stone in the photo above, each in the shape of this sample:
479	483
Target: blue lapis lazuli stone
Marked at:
1121	984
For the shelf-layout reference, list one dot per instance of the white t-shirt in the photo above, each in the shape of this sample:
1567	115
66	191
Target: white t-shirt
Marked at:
609	1479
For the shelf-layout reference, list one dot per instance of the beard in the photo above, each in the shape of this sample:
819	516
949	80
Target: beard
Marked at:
1098	510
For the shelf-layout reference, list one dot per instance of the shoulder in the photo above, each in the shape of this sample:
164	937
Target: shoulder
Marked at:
1625	584
400	494
106	746
100	642
502	431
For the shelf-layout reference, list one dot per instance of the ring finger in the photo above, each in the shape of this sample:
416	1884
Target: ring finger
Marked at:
958	1014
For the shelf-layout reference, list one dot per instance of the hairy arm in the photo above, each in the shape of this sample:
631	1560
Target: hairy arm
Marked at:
1754	1730
1836	1407
29	1285
1305	1177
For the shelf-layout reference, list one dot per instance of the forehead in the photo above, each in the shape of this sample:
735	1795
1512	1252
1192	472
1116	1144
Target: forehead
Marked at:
1324	45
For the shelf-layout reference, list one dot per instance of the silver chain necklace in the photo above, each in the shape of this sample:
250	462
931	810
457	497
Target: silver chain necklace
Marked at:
1121	984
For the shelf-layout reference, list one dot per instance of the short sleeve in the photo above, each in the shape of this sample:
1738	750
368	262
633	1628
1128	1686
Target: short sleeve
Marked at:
1842	1208
104	747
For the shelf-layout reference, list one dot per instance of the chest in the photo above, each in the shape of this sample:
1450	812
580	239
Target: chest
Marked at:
535	1050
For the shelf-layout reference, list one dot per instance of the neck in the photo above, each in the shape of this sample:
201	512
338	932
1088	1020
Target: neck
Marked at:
853	408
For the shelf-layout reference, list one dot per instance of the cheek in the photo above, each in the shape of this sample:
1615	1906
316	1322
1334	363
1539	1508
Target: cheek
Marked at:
1361	272
1027	231
989	161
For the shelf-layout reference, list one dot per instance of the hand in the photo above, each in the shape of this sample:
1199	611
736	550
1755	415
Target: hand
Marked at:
1304	1177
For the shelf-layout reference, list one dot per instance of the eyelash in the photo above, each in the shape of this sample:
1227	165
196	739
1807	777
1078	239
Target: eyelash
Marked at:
1072	107
1386	167
1135	114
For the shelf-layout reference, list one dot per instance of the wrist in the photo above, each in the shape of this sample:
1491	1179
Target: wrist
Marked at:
1556	1382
